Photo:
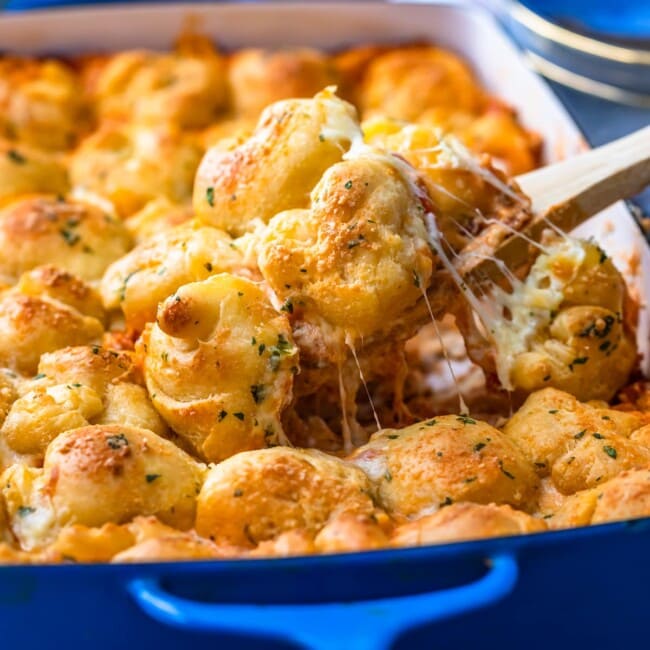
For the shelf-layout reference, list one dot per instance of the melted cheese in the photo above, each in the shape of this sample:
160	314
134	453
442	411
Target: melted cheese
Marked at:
531	304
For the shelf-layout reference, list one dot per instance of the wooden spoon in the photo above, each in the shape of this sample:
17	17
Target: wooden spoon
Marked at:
569	192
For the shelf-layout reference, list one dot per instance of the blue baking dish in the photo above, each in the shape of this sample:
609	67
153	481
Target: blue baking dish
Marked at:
581	588
568	589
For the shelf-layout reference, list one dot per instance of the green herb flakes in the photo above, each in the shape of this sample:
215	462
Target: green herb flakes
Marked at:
610	451
117	441
504	471
16	157
258	391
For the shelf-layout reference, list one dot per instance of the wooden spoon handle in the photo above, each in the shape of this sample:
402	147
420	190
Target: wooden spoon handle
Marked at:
591	181
566	194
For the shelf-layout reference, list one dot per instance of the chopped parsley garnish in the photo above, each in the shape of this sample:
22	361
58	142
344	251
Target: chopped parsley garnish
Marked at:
388	476
222	415
209	196
288	306
416	280
606	323
580	434
152	477
118	441
505	471
603	255
40	375
239	415
277	351
261	349
465	419
578	361
447	502
599	436
23	511
208	266
258	391
348	185
547	378
393	436
478	446
71	238
431	423
470	479
353	243
610	451
122	289
238	493
16	157
553	411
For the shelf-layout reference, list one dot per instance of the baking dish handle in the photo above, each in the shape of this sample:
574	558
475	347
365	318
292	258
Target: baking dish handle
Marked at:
364	625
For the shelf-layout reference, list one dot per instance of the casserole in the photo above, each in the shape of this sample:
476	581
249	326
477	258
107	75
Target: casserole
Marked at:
500	578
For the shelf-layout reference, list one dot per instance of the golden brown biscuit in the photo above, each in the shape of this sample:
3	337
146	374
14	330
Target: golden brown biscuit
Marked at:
432	464
465	190
256	495
498	133
100	474
219	366
465	521
405	82
37	417
78	543
47	310
627	496
578	445
258	78
41	103
172	547
25	170
157	215
347	532
8	392
568	325
74	387
138	282
73	236
358	257
186	87
291	543
129	165
275	169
